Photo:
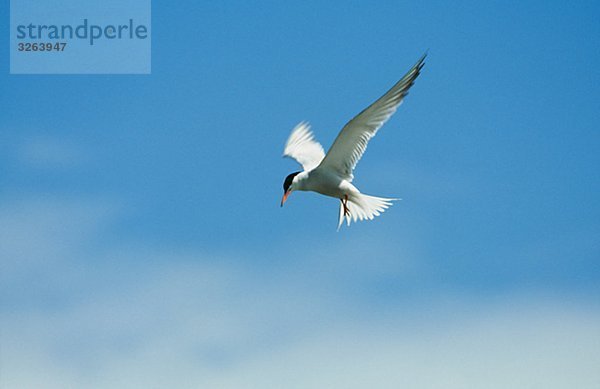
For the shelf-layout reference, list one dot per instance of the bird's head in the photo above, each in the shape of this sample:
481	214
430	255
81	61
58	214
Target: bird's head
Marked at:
288	186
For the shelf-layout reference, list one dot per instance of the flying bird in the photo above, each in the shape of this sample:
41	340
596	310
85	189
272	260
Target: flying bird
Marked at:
331	174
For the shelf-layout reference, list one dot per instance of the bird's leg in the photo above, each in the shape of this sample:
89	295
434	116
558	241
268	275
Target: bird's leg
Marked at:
345	204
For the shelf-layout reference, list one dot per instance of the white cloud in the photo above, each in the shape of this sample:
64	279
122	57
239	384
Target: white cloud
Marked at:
499	347
177	331
149	318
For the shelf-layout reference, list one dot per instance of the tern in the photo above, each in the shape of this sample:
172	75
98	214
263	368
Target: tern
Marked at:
331	174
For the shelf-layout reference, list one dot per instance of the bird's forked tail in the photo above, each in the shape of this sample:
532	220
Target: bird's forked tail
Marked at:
362	207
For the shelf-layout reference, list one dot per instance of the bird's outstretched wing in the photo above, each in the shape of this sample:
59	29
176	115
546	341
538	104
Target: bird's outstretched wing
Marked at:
351	142
302	147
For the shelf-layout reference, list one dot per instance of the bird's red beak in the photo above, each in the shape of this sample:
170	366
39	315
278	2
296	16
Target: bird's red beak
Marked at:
285	196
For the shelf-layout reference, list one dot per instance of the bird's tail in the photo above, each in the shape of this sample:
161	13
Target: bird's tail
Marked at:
362	207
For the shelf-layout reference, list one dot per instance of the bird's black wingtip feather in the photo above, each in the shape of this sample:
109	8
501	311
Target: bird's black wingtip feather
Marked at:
421	62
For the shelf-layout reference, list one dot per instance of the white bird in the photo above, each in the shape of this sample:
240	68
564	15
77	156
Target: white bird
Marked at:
331	174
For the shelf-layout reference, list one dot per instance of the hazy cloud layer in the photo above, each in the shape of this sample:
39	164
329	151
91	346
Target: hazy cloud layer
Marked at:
195	319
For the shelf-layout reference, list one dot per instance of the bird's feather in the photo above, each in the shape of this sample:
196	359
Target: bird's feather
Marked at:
363	207
302	147
351	142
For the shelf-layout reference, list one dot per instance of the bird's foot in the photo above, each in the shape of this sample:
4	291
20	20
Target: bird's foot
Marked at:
345	204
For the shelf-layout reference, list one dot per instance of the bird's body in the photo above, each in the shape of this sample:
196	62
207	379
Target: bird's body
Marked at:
331	174
325	182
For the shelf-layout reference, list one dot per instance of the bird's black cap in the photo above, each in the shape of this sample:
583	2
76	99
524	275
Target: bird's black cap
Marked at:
288	181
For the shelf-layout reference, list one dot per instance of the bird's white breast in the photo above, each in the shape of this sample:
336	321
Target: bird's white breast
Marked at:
326	183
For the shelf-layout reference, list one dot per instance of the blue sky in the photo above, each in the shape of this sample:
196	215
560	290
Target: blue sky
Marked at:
142	243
